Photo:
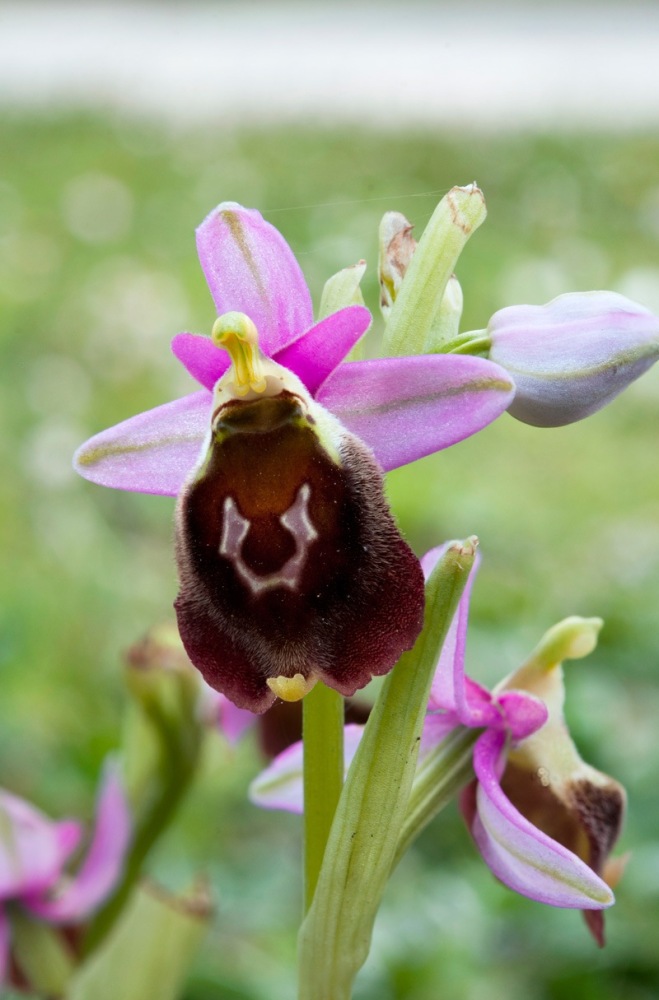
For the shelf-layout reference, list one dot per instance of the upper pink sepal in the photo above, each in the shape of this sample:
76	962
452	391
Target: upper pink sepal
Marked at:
250	268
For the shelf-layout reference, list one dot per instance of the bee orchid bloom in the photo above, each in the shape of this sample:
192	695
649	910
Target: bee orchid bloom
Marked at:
291	566
34	852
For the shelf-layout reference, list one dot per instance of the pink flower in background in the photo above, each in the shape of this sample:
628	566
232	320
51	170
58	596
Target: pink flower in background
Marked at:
34	854
544	821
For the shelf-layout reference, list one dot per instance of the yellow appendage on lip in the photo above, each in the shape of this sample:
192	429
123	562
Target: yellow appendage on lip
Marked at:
291	688
235	333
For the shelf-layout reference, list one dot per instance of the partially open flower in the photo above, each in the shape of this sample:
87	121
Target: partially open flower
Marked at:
291	566
545	777
544	821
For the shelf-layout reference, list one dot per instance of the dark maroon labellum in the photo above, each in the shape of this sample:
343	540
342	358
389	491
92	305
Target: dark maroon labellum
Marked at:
290	562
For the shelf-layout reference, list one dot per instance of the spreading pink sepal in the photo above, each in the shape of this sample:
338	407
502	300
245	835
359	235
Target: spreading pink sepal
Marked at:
150	453
280	785
102	866
250	268
33	849
519	854
407	407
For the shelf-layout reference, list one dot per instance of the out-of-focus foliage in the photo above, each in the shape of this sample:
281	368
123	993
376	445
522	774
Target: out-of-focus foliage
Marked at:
97	271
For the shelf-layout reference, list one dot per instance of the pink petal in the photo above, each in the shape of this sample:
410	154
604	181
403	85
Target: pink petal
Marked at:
102	867
451	690
150	453
250	268
519	854
314	356
205	362
405	408
33	849
280	785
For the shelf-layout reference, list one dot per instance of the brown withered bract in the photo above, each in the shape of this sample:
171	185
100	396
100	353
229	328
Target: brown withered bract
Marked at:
290	563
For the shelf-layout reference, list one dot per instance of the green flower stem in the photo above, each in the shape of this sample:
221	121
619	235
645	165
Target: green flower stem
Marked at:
335	936
322	731
477	342
179	752
446	769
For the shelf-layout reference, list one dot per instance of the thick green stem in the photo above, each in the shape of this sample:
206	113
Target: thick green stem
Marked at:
335	936
322	730
446	769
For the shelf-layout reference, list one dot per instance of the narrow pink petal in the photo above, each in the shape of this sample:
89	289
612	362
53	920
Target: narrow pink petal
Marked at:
405	408
519	854
250	268
33	848
150	453
205	362
5	941
314	356
280	785
448	690
102	867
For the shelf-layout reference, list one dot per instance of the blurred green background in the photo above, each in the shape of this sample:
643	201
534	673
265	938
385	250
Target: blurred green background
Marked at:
97	272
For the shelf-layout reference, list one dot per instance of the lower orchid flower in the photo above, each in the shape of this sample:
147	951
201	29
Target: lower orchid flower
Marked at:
35	851
544	821
291	567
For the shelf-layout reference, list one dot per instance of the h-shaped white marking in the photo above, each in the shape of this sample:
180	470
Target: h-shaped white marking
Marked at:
296	520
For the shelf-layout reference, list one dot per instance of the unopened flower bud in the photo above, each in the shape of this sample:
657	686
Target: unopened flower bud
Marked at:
426	268
395	253
572	356
342	289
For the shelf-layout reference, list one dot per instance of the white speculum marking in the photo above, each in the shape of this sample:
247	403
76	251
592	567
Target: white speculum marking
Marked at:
296	520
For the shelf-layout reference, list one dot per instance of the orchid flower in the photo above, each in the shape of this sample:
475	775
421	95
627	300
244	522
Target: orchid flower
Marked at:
544	821
34	852
291	567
